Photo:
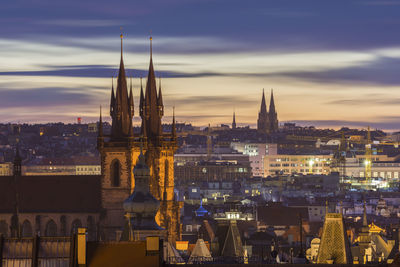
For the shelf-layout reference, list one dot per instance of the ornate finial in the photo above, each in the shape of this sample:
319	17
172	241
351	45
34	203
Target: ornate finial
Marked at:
122	37
151	45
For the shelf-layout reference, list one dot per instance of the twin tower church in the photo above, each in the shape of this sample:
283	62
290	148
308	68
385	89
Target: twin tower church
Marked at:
120	151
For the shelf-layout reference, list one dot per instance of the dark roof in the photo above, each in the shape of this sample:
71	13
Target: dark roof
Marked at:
281	215
69	193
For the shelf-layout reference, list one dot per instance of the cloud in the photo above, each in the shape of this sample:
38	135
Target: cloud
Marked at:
379	71
44	97
202	103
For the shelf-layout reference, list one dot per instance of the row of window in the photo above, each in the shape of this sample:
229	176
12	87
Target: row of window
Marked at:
298	165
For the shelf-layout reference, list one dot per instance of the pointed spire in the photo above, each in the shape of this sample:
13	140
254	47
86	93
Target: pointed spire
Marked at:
272	103
159	99
151	47
131	104
122	37
263	108
100	125
143	128
153	113
234	121
112	102
141	102
121	110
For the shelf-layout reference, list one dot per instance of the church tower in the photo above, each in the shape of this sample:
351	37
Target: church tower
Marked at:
160	148
263	118
120	151
273	116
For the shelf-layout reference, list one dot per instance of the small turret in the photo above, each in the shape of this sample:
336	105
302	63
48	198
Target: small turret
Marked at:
100	136
112	102
160	104
141	102
131	104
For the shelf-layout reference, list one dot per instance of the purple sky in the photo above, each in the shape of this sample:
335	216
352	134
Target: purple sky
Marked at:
331	63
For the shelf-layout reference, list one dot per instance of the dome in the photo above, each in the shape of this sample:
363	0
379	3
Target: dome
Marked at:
141	206
140	202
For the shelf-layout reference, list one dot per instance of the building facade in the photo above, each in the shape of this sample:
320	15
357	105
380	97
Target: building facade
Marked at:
120	150
297	164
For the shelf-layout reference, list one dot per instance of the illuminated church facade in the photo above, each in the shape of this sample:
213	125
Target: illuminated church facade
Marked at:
58	205
120	150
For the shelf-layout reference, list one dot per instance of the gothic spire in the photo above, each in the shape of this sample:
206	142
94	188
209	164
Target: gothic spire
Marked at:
263	117
263	108
122	112
141	102
272	103
131	104
100	125
153	113
112	102
234	121
160	100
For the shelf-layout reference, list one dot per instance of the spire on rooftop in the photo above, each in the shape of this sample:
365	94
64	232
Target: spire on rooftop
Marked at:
120	106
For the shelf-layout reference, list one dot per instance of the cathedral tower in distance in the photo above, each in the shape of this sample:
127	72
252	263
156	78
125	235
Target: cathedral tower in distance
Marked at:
120	150
267	121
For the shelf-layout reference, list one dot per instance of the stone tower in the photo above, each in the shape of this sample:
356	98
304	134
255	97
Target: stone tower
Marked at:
334	247
263	118
120	151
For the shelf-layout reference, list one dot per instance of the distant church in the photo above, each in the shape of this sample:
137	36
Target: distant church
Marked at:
58	205
267	121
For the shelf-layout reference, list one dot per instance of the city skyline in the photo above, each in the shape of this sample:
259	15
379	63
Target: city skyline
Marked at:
330	65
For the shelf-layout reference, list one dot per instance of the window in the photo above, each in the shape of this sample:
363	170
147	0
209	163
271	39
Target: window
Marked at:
51	228
115	173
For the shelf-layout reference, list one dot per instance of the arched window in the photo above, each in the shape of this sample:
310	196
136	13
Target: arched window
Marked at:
26	229
3	228
38	224
51	228
63	225
75	225
15	226
115	173
166	179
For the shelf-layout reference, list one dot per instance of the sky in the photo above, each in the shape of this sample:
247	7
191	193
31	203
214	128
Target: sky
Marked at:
329	63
